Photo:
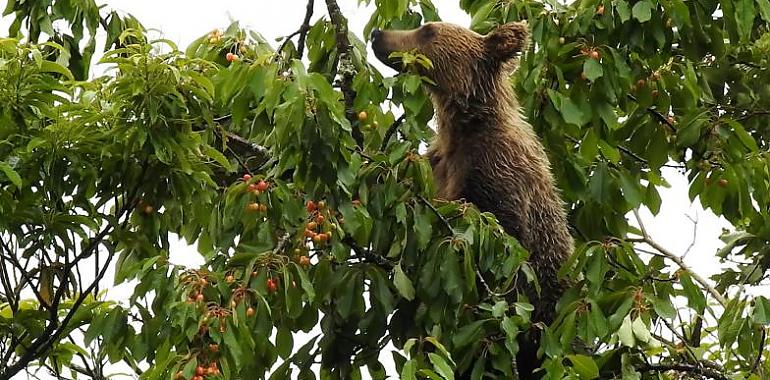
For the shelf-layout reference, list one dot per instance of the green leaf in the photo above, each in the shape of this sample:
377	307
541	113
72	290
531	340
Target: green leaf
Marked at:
764	9
631	188
641	331
499	309
53	67
623	11
744	17
468	333
441	366
761	312
571	113
233	345
664	307
482	14
409	372
584	366
695	297
642	11
402	282
218	157
11	174
599	185
284	342
609	152
592	68
626	333
422	226
730	323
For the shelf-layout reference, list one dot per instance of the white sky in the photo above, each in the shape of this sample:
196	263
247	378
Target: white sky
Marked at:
184	21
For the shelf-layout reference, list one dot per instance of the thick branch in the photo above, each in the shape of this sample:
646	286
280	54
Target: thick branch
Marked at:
240	146
305	28
703	371
344	61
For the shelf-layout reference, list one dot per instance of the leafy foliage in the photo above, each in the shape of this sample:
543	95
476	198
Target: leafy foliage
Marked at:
249	153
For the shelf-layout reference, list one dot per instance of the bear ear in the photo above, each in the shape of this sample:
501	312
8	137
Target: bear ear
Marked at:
507	40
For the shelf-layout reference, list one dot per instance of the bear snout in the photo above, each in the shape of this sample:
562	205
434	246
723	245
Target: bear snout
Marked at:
382	51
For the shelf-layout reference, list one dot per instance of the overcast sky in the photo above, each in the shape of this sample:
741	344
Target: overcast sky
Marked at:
184	21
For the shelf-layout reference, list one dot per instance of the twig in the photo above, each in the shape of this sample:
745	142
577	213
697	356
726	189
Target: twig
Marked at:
438	214
681	338
694	233
662	119
366	254
629	153
344	63
302	32
392	130
51	332
678	260
55	328
703	371
750	114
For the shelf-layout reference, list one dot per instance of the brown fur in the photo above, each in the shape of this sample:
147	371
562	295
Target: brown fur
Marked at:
484	151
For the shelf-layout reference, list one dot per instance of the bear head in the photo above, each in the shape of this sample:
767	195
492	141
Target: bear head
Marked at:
467	66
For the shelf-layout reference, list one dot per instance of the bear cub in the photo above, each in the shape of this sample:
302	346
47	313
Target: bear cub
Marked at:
486	153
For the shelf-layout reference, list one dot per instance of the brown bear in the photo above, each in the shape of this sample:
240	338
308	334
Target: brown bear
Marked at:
485	152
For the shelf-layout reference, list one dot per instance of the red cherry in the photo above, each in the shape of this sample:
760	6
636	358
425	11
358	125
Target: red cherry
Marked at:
246	177
310	206
272	285
262	185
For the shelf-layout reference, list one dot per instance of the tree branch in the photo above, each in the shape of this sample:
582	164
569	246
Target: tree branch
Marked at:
661	118
344	63
392	130
55	328
678	260
305	28
703	371
302	32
